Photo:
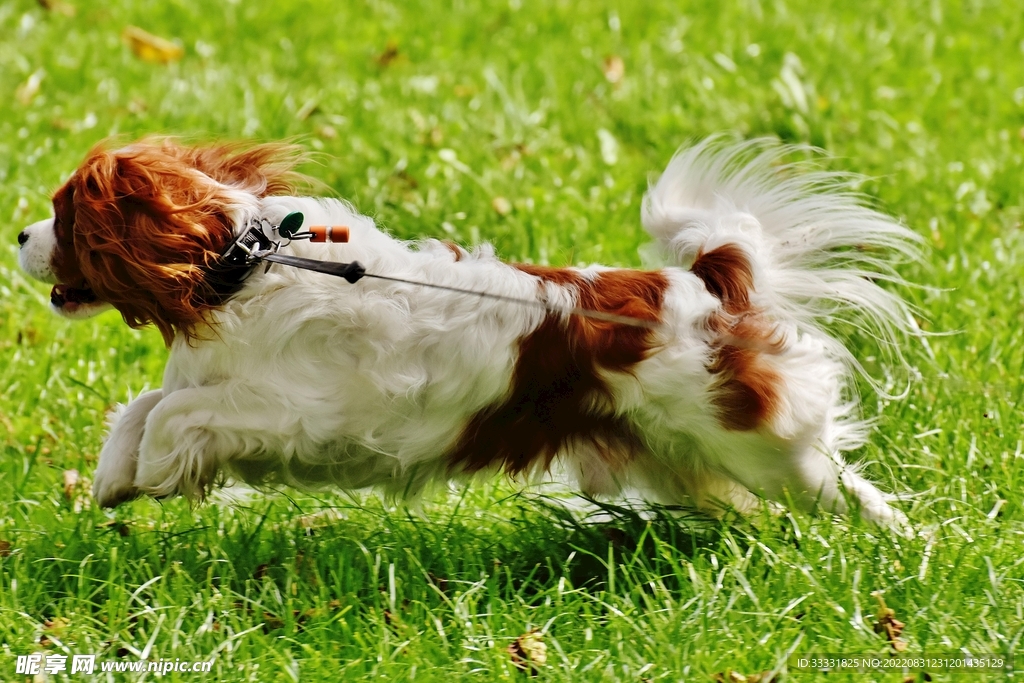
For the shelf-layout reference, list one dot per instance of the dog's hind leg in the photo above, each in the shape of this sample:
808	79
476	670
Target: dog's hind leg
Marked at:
805	475
114	479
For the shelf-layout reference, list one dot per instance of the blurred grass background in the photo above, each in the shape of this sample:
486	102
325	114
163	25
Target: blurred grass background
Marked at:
535	126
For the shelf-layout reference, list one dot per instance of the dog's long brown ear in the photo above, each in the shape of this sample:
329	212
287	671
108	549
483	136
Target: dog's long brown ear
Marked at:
149	218
65	263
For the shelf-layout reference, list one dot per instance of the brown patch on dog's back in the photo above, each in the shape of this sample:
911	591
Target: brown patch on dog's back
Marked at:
557	397
747	392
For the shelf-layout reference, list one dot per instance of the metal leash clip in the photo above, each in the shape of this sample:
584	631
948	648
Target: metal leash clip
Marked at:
255	243
250	247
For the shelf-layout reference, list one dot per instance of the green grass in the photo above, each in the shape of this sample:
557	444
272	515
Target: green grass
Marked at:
926	98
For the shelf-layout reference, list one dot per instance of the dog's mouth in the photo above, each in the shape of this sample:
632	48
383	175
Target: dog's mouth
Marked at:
68	299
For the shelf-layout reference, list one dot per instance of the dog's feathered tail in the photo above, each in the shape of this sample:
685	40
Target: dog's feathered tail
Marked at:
817	251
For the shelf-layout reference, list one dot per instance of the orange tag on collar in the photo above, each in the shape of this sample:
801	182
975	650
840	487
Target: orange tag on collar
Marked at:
328	233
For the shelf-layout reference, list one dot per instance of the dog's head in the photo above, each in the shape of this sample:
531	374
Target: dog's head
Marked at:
138	228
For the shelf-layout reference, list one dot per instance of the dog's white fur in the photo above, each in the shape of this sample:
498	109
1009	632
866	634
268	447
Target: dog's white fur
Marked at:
309	380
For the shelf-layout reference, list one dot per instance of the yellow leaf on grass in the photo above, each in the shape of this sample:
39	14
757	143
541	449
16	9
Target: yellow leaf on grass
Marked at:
529	652
150	48
889	625
389	55
57	625
614	68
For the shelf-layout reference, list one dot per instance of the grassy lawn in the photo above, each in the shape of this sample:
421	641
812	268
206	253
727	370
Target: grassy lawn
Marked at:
515	123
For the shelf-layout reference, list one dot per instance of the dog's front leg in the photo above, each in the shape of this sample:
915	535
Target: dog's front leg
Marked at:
191	434
114	480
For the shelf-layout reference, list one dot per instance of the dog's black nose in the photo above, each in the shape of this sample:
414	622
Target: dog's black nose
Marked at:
22	237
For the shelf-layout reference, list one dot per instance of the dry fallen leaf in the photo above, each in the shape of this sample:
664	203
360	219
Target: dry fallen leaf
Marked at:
56	625
53	627
614	68
389	55
70	483
5	548
77	490
529	652
888	624
150	48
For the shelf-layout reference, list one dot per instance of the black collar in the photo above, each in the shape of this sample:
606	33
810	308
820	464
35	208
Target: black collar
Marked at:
224	277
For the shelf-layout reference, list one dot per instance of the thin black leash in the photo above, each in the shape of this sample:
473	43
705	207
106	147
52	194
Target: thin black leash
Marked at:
254	246
353	272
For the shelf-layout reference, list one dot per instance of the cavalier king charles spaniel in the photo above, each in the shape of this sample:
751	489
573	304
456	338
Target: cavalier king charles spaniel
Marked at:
710	382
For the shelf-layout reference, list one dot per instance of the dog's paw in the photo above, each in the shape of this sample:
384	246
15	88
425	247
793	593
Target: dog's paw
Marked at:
111	486
883	515
114	480
902	525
